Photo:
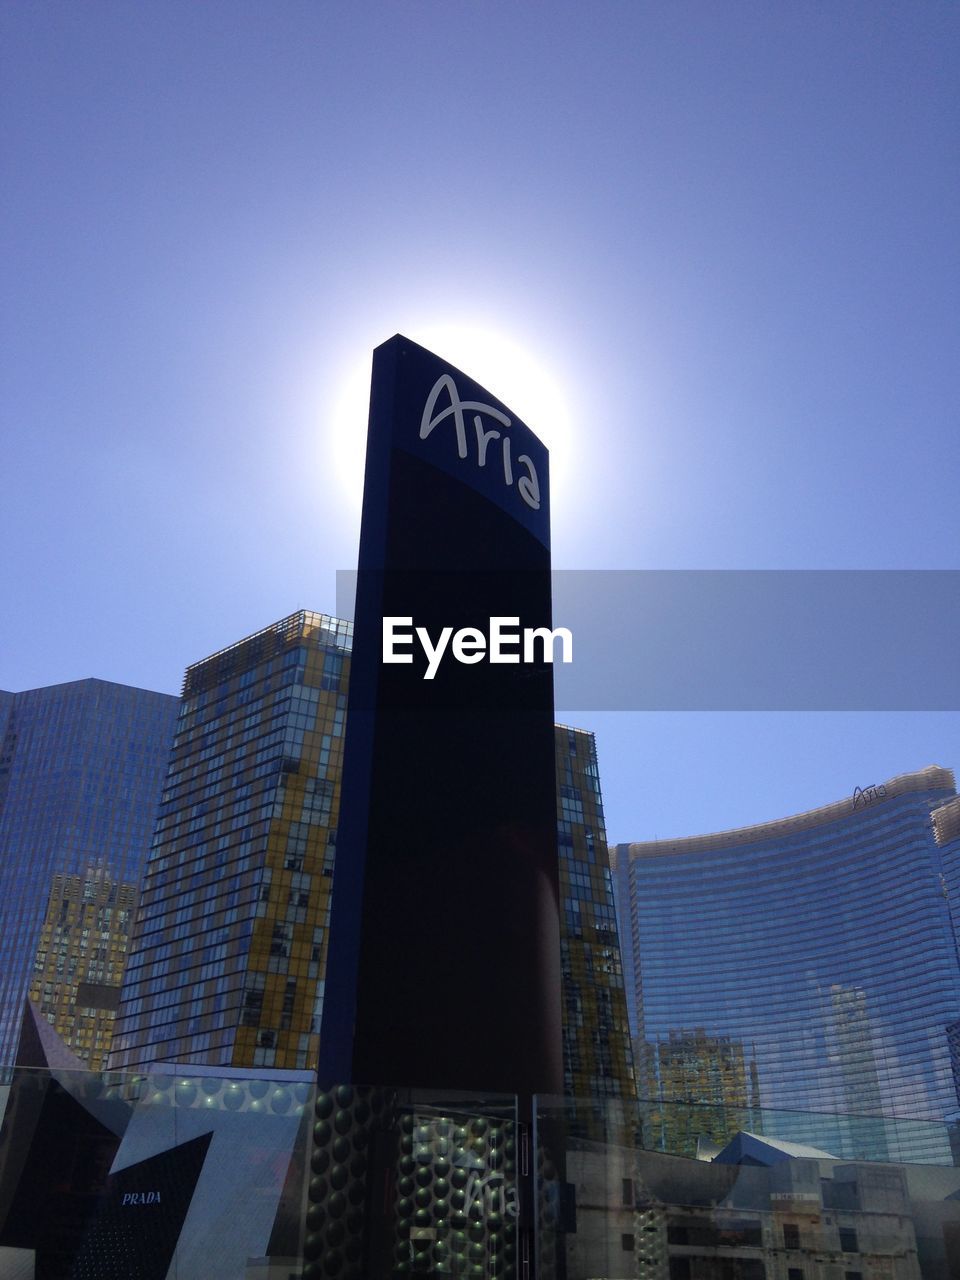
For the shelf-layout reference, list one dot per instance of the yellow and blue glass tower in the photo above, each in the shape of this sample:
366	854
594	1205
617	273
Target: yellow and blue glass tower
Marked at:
597	1058
228	956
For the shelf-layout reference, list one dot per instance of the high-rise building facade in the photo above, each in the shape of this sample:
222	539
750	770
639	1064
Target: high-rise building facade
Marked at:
713	1073
597	1056
229	958
86	933
227	962
946	832
826	942
81	767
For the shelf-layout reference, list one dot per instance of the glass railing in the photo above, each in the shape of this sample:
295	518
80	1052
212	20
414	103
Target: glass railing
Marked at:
683	1192
702	1130
188	1174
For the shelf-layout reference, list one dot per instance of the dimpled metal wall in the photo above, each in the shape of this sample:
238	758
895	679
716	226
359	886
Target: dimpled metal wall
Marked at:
400	1188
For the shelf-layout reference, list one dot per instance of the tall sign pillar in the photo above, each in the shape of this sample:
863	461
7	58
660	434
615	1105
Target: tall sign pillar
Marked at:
443	968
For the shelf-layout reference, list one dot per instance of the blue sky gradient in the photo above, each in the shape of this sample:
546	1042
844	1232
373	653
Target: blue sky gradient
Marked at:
728	231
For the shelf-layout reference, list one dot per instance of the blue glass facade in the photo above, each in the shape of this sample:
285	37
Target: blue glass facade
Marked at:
81	767
824	944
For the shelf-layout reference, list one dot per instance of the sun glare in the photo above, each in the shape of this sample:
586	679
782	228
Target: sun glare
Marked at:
503	366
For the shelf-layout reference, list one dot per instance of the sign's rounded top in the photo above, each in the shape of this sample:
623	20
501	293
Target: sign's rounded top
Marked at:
428	407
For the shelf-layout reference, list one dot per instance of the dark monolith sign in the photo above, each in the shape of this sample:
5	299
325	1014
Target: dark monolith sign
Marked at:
444	959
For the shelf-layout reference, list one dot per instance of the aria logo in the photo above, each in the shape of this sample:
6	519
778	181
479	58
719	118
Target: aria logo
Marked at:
528	484
867	795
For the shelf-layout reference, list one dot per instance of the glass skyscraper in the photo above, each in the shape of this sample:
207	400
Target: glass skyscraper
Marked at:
81	767
81	957
229	958
825	945
597	1059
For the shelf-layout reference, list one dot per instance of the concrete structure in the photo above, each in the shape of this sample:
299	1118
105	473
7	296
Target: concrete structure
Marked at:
763	1210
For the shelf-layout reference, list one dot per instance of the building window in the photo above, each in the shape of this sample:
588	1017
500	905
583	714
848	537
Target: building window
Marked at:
848	1240
627	1242
626	1192
794	1273
791	1235
252	1008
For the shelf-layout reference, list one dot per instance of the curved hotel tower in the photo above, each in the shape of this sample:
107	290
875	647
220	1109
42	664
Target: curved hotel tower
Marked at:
807	965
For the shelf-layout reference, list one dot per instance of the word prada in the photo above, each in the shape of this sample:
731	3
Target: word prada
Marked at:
140	1197
469	645
528	485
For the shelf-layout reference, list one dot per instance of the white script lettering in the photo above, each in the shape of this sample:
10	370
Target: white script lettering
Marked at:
528	485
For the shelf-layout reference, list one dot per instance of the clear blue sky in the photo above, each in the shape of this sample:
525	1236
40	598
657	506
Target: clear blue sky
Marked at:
729	232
